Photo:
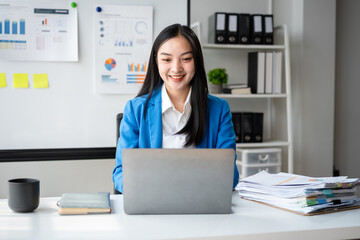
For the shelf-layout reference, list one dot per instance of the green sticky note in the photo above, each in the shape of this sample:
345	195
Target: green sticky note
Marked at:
2	80
41	80
20	80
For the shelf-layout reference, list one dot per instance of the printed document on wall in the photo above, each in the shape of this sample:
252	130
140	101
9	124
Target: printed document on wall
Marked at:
123	40
38	31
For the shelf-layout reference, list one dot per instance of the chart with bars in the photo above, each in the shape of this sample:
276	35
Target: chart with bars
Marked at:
12	34
136	72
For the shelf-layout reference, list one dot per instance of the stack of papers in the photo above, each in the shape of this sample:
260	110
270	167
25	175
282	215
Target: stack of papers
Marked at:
301	194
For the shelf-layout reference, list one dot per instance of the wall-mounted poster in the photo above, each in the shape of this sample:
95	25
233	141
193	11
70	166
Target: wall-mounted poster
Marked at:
123	40
38	31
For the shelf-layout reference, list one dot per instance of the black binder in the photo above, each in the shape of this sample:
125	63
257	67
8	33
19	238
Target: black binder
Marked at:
236	119
252	71
268	29
244	28
217	28
257	133
232	28
256	29
246	123
256	72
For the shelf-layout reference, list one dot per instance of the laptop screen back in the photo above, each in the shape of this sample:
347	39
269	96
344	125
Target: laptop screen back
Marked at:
177	181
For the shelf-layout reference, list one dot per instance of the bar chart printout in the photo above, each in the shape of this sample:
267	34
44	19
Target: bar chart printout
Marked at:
123	38
38	31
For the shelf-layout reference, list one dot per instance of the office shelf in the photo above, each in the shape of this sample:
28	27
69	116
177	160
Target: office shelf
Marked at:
278	105
263	144
240	46
251	95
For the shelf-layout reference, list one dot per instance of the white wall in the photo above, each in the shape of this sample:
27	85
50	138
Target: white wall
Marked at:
26	117
313	77
57	177
347	98
312	35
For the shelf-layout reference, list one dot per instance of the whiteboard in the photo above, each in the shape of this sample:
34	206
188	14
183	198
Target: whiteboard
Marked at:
70	114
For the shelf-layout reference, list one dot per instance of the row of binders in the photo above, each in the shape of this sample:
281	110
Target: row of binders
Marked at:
265	72
241	28
248	126
301	194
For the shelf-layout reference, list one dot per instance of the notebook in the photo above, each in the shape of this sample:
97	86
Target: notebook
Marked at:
178	181
84	203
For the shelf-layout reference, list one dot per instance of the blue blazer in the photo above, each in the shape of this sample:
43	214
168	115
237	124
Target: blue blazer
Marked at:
137	132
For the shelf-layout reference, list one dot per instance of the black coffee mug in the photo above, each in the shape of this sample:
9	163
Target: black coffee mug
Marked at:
24	194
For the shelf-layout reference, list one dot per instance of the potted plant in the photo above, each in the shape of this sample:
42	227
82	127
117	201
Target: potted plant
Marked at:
217	77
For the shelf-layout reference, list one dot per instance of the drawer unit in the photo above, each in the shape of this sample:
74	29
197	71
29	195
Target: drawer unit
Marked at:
251	161
246	171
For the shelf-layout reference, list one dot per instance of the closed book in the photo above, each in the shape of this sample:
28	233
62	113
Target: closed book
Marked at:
84	203
236	85
277	73
241	91
256	72
269	72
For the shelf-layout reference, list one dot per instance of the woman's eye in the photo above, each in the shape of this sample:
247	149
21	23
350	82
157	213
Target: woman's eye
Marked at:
165	60
187	59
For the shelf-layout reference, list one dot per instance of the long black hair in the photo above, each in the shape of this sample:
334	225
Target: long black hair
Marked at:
196	125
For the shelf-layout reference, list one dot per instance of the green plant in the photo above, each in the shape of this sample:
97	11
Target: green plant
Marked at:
218	76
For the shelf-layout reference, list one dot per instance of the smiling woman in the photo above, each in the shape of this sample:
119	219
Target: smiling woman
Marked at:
173	108
176	67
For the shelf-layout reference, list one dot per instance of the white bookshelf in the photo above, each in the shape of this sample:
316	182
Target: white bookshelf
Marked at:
279	124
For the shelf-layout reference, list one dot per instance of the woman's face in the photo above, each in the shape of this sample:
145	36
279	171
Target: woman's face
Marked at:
176	64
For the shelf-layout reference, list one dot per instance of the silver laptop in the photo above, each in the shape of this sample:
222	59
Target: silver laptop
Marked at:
178	181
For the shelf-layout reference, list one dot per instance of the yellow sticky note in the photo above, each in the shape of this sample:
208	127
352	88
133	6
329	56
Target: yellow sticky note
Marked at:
41	80
21	80
2	80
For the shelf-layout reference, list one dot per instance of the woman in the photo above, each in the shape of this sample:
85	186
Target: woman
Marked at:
173	108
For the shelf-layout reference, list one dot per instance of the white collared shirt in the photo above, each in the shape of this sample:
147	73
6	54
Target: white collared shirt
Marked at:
173	121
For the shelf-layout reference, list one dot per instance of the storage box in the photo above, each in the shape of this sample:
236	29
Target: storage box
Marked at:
251	161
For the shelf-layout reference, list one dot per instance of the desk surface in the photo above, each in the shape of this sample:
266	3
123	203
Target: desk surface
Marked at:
249	220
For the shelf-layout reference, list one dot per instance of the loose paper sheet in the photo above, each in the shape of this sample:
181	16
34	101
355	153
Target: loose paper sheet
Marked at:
123	40
38	31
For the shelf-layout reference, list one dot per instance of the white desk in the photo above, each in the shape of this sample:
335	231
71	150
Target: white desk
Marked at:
249	220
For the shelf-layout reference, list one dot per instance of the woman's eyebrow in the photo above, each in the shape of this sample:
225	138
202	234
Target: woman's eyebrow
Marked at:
168	54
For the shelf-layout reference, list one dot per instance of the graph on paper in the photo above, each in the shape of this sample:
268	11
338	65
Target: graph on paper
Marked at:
123	39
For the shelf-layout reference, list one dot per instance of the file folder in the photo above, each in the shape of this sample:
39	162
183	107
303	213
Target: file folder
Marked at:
277	73
258	120
256	72
236	119
269	71
256	29
217	28
268	29
244	28
232	28
247	126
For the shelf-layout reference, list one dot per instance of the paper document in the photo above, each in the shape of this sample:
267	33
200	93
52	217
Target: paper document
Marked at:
300	194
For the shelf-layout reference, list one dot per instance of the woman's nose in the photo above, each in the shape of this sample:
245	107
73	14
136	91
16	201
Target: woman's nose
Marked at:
176	66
